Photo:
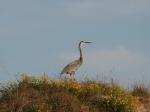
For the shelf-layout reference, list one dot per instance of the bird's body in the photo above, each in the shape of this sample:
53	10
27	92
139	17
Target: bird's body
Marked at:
72	67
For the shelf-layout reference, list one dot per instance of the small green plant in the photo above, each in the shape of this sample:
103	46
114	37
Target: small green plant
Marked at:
114	99
140	90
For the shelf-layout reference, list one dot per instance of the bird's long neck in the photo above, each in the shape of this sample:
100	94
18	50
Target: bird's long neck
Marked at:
81	55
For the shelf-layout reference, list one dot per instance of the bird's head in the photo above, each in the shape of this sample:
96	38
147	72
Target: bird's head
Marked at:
82	43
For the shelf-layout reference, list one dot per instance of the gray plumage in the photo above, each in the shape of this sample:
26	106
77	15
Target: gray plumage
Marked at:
72	67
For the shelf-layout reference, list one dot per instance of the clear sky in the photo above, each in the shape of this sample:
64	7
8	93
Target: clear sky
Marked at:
42	36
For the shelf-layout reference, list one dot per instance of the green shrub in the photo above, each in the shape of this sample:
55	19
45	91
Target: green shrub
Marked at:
140	90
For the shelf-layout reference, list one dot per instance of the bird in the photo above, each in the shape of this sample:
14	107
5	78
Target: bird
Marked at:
72	67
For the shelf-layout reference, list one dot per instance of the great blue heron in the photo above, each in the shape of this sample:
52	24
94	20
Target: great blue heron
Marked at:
72	67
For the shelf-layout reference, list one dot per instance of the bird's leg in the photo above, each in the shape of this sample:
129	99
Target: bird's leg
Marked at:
70	75
65	78
73	75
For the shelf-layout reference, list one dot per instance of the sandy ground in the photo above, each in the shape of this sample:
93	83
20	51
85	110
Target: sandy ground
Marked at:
144	106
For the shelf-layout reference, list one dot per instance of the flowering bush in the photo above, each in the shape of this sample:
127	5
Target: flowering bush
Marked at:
32	94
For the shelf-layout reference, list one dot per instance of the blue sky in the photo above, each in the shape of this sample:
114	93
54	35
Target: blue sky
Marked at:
42	36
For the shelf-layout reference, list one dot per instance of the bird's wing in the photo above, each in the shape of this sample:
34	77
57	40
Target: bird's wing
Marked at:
73	66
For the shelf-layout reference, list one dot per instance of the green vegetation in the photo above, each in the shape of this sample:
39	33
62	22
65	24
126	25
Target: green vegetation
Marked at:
141	90
31	94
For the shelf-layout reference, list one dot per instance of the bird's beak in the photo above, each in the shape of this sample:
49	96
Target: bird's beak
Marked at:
87	42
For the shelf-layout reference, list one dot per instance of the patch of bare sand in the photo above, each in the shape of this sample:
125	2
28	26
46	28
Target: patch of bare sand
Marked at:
144	105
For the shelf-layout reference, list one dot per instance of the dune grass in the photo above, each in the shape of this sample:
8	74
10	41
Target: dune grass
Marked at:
140	89
32	94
